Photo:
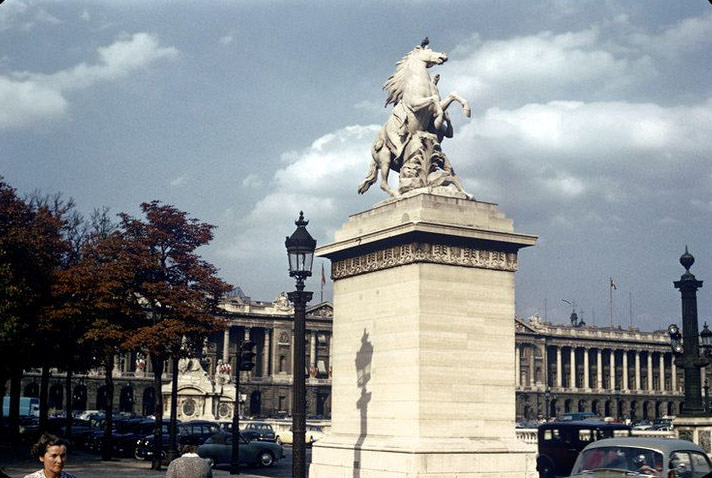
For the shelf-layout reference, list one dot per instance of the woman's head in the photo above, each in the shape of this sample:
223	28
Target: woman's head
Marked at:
52	452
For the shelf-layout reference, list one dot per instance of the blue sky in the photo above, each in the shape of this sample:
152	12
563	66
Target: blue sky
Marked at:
591	127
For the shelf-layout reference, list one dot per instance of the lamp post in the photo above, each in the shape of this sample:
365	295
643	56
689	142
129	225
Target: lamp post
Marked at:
547	398
300	252
686	346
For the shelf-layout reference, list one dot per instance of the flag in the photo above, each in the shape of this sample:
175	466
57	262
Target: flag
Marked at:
613	285
323	277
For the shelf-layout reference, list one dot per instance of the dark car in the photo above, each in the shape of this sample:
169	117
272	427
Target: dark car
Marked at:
559	443
258	431
219	449
189	433
128	432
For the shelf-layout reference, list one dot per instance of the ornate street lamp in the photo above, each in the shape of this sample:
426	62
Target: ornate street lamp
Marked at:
686	346
300	252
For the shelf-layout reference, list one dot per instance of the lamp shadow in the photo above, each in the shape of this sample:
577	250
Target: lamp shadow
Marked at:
364	356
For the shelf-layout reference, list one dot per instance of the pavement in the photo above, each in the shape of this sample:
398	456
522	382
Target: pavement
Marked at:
17	462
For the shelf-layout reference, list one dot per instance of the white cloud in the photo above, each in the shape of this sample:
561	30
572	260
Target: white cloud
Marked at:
320	180
538	65
179	181
687	34
227	39
85	15
31	97
252	180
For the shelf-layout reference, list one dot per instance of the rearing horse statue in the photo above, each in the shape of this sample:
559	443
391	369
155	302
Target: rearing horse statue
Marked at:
417	107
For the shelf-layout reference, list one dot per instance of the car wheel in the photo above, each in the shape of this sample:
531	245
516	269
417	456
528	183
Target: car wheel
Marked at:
265	458
278	440
137	455
545	468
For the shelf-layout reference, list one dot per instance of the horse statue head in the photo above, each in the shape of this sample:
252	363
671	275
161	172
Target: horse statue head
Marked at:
411	66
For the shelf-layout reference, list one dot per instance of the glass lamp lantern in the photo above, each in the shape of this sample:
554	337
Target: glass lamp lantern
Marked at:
706	339
300	250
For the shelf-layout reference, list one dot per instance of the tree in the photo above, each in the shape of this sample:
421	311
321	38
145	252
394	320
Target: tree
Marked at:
178	290
30	249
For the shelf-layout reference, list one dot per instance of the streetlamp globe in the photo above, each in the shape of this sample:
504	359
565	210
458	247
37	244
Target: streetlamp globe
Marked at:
706	338
300	250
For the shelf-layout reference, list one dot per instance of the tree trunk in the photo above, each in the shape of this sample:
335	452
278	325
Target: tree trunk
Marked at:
68	409
44	394
173	441
157	361
14	413
106	447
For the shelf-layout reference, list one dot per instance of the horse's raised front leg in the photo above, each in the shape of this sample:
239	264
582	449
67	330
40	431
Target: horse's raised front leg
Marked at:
444	104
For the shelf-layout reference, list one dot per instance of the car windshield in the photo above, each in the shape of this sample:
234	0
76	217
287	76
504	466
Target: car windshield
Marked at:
642	460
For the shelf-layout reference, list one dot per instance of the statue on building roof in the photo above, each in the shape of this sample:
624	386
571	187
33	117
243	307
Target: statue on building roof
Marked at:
409	142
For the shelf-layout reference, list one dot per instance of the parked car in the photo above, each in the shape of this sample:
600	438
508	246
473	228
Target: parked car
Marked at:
258	431
189	433
644	457
219	449
559	443
311	434
127	434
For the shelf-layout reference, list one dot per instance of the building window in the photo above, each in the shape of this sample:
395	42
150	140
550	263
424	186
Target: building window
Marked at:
282	363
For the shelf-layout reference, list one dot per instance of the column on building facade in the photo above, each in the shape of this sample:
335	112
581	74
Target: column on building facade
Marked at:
226	345
625	371
637	371
586	383
532	358
245	339
517	365
544	364
599	369
612	371
559	381
650	371
312	350
265	354
661	372
572	371
673	375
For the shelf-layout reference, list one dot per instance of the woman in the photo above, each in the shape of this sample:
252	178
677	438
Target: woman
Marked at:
52	453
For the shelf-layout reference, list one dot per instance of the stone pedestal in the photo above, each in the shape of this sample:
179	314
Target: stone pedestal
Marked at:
423	358
695	429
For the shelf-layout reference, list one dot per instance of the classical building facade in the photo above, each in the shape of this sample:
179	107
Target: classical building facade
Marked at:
622	373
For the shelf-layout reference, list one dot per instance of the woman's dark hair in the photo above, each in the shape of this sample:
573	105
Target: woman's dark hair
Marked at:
45	441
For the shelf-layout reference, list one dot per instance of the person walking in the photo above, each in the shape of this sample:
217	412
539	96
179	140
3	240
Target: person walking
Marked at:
190	465
51	451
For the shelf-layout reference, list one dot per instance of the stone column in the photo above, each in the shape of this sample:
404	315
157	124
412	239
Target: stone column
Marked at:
599	369
650	371
531	365
673	375
517	366
572	370
661	372
559	381
226	345
266	354
626	384
586	370
638	385
312	350
612	371
246	337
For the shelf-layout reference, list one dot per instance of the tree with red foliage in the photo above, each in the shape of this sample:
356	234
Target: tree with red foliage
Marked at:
178	290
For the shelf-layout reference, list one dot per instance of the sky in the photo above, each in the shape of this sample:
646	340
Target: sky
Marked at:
591	127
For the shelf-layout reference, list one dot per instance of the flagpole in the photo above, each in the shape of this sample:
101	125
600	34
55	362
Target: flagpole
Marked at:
610	300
